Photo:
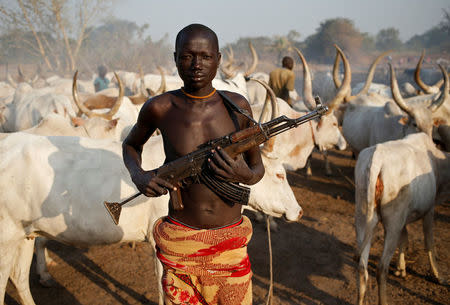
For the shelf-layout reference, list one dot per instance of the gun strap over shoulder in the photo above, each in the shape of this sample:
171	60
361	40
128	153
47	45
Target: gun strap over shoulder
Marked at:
230	192
235	107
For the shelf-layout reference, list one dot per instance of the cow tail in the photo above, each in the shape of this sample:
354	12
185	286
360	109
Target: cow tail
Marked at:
367	194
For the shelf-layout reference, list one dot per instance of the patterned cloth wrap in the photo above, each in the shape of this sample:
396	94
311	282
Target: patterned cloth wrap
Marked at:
204	266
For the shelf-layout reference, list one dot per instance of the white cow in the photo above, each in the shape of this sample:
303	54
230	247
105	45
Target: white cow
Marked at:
6	93
294	147
372	119
397	182
30	106
62	194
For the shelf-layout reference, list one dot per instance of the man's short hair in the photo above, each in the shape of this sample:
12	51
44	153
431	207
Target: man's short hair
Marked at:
196	27
288	62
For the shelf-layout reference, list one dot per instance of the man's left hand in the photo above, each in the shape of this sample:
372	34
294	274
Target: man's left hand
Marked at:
229	169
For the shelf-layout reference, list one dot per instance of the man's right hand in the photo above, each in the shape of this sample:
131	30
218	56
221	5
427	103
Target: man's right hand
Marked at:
150	185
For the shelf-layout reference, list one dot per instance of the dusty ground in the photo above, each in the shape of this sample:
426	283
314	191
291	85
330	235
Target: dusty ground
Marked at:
312	260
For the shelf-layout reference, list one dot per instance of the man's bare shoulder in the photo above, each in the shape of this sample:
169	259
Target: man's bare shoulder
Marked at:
159	104
238	99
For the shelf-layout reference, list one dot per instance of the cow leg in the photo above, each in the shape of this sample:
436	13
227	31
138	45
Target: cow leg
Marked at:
429	244
8	252
42	260
391	238
328	171
308	166
159	273
364	233
401	265
20	274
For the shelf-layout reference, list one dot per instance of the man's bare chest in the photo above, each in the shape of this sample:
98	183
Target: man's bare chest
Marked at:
184	130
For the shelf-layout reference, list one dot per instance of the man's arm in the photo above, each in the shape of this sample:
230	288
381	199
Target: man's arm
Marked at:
247	169
146	181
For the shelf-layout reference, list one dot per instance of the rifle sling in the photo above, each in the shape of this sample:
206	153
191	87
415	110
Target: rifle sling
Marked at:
231	193
235	107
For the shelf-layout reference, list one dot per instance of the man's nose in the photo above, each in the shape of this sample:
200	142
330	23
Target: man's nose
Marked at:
196	62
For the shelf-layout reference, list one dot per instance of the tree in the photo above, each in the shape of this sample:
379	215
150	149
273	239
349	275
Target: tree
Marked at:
388	39
340	31
445	24
58	27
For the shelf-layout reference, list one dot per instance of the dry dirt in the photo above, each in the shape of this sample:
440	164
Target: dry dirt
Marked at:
313	260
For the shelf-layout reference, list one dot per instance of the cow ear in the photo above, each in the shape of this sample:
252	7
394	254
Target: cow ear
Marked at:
391	108
404	120
438	121
77	121
112	124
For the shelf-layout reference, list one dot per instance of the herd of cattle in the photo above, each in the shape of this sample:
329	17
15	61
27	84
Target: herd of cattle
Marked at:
60	159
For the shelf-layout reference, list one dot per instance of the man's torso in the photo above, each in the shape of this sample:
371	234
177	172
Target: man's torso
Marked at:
185	124
281	81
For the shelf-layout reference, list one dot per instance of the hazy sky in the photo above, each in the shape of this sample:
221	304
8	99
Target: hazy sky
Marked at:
232	19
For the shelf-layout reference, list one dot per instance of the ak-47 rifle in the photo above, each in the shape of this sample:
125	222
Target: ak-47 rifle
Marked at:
193	164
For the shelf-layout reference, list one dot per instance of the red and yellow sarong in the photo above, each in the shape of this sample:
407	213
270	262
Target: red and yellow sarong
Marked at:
204	266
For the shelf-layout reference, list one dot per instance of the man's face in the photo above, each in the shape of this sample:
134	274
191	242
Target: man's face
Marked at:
197	60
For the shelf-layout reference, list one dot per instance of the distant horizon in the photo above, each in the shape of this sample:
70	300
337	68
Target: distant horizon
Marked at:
263	18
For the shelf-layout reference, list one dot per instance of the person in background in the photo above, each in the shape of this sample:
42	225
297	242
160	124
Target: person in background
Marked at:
101	82
282	81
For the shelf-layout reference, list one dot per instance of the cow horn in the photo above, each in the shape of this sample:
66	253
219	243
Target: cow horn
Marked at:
109	115
142	84
230	56
228	72
89	113
345	86
255	61
370	75
21	77
140	98
444	95
307	83
337	81
162	87
11	81
396	93
268	146
427	89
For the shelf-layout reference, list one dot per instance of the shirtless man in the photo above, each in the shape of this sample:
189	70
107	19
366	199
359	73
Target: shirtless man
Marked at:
203	246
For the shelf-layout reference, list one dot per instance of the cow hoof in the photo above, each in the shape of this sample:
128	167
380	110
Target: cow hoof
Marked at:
400	273
273	225
49	283
443	281
51	263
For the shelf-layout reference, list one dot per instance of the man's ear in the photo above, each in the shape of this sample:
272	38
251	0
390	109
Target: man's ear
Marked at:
219	57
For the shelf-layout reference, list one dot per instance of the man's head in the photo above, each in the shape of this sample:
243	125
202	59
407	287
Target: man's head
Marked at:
288	62
102	71
197	55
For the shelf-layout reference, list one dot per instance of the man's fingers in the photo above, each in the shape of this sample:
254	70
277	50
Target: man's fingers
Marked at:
225	156
156	190
222	160
164	183
217	170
